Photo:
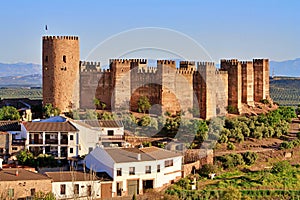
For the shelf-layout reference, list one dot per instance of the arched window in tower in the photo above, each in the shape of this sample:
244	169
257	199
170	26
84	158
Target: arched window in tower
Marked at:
64	58
46	58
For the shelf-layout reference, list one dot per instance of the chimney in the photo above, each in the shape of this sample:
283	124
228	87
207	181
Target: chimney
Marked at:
1	160
138	156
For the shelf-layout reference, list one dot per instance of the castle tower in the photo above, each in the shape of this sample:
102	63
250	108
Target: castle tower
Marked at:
234	69
120	69
261	79
247	83
206	85
60	60
169	98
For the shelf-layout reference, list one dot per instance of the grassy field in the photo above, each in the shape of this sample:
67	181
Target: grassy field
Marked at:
8	93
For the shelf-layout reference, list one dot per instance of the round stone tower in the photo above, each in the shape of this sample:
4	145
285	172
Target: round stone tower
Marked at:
61	72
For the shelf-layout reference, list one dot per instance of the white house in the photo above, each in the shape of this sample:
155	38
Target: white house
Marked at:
79	185
88	136
57	138
106	133
135	170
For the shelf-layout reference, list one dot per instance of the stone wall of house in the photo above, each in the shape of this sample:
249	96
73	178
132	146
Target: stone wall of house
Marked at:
22	188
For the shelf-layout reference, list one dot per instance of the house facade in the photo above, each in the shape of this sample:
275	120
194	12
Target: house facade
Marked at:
106	133
59	139
12	138
136	170
17	183
78	185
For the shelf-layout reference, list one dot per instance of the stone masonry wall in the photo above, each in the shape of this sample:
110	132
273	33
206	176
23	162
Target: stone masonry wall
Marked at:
60	61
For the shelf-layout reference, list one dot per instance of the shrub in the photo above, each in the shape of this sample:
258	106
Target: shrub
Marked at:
230	146
223	139
207	169
281	167
249	157
264	101
286	145
231	109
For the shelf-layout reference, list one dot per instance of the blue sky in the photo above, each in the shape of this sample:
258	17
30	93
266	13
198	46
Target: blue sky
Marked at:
226	29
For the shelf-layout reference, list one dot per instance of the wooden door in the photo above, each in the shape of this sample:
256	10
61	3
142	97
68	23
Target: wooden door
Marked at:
106	190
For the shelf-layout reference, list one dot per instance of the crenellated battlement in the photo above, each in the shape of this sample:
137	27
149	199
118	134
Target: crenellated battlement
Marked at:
86	66
185	71
117	60
230	61
166	62
206	66
53	37
147	70
246	62
220	72
256	61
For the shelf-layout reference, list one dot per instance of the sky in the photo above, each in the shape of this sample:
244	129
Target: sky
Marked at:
224	29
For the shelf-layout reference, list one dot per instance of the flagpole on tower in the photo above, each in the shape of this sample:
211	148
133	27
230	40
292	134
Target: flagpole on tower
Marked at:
46	29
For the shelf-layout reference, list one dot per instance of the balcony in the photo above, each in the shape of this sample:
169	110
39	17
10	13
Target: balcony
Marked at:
111	138
18	142
39	141
51	141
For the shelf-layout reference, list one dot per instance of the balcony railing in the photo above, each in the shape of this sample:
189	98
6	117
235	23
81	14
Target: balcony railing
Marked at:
18	142
112	138
51	141
40	141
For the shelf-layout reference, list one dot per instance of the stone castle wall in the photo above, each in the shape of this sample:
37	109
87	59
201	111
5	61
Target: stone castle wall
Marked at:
199	86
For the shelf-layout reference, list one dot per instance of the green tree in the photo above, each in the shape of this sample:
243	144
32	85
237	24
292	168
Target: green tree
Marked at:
49	110
208	169
91	114
143	104
9	113
97	102
25	157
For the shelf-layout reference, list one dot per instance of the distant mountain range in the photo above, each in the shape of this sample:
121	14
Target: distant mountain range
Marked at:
29	74
285	68
19	69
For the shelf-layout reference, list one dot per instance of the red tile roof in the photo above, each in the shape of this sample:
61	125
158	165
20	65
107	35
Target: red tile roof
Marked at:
50	127
9	174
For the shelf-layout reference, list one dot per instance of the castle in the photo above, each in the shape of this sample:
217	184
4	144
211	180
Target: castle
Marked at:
69	83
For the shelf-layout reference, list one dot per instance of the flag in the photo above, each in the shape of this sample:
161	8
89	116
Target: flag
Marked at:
46	27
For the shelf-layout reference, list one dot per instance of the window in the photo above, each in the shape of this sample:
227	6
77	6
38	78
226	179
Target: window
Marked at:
148	169
168	163
158	168
110	132
32	191
90	149
119	171
11	192
15	148
131	170
76	189
46	58
63	189
71	137
64	58
71	150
